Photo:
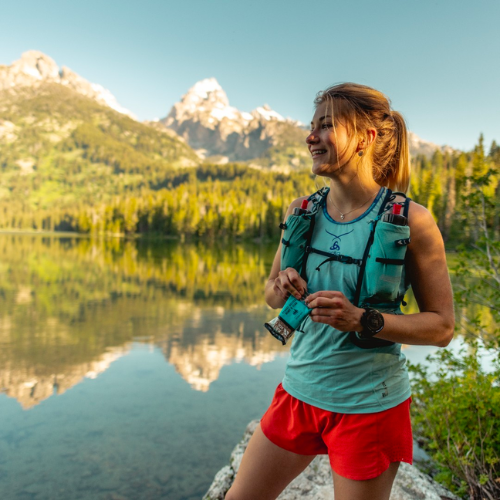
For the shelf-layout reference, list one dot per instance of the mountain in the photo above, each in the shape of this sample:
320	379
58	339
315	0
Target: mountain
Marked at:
203	117
214	128
35	68
420	147
63	144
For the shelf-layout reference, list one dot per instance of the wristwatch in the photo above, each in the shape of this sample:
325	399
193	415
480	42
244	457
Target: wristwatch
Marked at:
372	322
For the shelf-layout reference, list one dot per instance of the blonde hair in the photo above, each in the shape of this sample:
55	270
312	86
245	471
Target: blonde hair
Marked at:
359	108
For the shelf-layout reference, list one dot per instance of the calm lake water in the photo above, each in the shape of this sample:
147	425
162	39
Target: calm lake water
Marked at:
130	369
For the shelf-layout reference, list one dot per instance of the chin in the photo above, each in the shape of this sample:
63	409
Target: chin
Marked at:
322	169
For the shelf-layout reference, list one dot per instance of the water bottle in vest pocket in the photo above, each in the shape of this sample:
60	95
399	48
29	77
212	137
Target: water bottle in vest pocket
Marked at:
384	265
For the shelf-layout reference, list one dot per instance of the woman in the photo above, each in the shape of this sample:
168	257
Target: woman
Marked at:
337	398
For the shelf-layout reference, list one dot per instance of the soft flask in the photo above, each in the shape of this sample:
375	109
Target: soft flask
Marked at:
291	316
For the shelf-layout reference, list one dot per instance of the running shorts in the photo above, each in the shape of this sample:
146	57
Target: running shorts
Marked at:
360	446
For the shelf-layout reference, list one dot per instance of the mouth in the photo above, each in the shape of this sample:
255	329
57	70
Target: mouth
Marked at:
317	152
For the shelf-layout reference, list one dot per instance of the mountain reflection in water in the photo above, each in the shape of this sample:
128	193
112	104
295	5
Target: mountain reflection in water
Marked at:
71	306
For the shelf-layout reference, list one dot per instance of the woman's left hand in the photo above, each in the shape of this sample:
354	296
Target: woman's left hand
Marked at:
334	309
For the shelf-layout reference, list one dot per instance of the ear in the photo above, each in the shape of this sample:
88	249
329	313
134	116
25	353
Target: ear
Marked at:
367	140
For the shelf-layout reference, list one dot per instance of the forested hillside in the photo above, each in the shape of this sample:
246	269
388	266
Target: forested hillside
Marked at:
60	152
69	163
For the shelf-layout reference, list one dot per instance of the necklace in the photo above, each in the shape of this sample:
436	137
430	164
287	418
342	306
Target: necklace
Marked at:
343	214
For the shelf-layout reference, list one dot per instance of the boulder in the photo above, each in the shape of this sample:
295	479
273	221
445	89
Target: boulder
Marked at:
316	480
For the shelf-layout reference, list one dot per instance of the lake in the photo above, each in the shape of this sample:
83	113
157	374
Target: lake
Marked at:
129	369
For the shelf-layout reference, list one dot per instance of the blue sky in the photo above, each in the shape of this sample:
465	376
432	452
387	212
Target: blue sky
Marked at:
437	60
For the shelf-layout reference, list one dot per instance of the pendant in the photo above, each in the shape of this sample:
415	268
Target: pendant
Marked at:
342	216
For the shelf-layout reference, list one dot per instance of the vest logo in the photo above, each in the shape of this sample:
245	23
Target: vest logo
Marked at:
335	247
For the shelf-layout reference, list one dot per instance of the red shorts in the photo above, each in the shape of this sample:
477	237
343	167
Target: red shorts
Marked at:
360	446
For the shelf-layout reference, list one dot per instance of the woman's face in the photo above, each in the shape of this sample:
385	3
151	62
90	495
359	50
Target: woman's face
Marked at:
330	147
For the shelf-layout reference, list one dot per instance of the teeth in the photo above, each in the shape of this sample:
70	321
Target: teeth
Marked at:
318	152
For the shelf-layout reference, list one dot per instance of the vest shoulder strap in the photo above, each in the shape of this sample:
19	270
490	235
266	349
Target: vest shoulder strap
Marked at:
318	198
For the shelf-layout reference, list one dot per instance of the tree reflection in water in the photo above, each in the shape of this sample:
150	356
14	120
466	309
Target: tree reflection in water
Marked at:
71	306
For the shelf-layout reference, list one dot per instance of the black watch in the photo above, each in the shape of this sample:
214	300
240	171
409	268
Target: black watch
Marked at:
372	322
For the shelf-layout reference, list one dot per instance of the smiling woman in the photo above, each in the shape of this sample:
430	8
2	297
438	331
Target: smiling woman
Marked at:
346	390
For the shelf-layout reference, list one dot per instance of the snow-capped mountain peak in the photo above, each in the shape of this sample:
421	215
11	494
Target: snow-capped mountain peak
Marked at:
210	125
206	92
267	113
207	102
205	87
35	68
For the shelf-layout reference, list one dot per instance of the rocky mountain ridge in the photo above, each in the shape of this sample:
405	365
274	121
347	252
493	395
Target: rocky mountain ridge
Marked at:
35	68
212	127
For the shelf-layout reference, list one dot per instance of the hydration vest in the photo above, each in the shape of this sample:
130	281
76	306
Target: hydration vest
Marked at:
380	269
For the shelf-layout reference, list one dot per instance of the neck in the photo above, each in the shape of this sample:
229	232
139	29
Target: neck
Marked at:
352	187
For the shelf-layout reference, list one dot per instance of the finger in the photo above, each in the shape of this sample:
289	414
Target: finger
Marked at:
324	302
282	294
326	293
293	273
285	294
324	312
327	320
279	290
297	282
289	289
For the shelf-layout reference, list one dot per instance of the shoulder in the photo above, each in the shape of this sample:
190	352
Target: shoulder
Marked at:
425	236
419	217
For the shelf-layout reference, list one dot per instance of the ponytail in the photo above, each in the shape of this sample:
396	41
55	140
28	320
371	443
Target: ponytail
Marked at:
391	158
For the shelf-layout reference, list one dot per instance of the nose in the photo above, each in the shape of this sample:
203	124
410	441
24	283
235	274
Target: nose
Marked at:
312	138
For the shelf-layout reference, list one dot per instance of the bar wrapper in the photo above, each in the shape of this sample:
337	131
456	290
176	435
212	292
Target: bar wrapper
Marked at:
291	316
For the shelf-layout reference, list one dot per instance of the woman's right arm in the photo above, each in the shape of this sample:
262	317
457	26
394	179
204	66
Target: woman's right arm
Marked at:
281	284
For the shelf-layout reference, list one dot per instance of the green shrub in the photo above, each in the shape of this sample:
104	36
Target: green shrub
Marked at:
456	412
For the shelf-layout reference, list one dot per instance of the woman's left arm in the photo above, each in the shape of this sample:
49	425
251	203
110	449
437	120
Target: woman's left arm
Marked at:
428	274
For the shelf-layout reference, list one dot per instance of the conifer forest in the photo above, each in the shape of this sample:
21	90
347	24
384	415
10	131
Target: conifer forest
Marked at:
217	201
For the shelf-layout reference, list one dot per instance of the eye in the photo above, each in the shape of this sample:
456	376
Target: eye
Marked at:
326	125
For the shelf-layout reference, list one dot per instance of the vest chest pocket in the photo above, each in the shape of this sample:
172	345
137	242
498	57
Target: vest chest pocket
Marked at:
384	265
294	241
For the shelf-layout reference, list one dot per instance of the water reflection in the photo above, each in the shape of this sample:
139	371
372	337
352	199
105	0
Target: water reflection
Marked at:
213	339
70	307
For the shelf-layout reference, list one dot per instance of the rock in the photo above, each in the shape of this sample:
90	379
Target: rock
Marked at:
222	482
316	480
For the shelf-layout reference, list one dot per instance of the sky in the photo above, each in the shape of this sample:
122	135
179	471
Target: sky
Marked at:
437	60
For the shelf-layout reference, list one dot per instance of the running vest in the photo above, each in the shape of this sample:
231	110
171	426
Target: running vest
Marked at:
326	367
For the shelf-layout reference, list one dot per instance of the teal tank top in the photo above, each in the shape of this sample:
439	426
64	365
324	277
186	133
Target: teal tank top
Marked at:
325	369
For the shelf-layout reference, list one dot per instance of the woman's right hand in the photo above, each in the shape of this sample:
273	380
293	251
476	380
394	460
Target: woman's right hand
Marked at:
289	283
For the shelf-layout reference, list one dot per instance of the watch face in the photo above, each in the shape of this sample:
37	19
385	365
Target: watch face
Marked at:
374	321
